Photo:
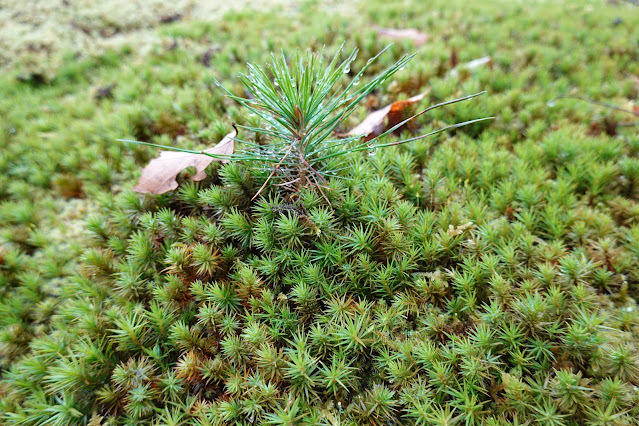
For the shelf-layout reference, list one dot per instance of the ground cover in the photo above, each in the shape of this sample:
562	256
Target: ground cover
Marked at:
488	275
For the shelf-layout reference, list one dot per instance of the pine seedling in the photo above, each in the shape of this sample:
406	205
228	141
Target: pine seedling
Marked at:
301	105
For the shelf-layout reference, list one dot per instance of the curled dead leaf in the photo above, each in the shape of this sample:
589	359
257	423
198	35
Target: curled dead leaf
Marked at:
383	119
159	176
411	34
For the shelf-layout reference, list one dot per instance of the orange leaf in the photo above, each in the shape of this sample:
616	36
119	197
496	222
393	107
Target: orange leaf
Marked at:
159	176
383	119
411	34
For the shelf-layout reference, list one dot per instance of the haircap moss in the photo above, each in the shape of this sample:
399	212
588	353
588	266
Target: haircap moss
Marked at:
484	276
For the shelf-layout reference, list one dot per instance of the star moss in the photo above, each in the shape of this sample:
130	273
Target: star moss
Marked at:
484	276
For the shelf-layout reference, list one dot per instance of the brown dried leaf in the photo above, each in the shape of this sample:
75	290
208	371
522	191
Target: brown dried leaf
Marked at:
383	119
159	176
411	34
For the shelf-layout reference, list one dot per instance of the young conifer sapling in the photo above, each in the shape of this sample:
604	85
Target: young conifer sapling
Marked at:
301	104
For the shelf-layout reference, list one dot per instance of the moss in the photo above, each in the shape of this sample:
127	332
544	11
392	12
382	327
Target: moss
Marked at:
486	276
393	311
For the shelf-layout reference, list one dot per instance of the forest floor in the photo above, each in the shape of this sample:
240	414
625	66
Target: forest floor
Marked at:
551	186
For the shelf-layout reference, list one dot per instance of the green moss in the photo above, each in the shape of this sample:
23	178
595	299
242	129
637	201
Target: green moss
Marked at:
482	277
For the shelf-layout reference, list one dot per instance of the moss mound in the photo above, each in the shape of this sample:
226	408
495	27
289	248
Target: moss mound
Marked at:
423	292
488	276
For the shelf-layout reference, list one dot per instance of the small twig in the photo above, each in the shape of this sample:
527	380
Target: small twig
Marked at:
315	172
320	190
277	166
311	168
308	180
287	183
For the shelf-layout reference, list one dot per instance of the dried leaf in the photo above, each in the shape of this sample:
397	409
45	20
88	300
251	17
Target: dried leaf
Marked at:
411	34
159	176
486	60
383	119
